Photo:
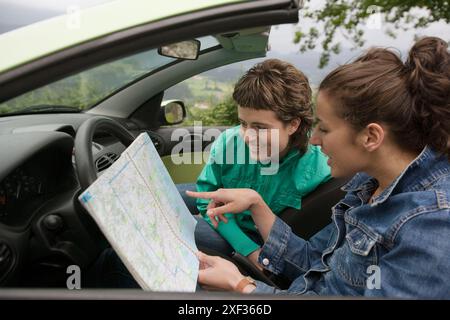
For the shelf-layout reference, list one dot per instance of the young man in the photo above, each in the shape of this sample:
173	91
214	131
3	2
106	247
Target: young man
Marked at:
268	152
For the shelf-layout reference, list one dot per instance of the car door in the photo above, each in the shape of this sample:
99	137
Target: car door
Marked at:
43	53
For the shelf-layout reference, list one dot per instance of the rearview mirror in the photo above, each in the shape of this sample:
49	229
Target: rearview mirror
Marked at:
188	50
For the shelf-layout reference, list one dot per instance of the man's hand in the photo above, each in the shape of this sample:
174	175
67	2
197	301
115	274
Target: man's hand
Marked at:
217	273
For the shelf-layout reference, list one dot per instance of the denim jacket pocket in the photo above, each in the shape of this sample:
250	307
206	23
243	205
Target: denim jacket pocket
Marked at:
359	242
354	256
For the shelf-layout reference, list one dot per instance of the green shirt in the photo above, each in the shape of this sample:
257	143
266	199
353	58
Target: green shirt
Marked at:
297	175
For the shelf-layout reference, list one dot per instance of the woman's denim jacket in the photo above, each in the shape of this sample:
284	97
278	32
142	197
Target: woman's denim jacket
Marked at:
397	246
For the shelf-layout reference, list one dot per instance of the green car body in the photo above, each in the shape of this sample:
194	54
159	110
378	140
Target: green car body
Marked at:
49	36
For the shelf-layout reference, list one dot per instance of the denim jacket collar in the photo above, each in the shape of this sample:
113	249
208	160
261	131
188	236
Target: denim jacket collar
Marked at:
407	180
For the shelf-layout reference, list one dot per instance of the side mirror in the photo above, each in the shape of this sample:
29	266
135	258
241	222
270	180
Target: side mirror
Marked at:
172	112
187	50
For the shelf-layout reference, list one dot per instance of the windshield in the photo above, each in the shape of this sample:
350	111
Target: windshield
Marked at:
85	89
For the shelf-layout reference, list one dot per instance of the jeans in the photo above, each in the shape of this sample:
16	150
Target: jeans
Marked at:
189	201
207	238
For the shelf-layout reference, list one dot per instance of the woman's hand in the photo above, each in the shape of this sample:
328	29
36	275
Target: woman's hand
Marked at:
217	273
235	201
227	201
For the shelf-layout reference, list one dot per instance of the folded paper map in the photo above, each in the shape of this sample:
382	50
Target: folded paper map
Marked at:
144	218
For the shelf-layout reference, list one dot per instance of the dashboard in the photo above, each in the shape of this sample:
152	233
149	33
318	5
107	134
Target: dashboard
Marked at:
37	160
29	186
23	186
36	167
43	228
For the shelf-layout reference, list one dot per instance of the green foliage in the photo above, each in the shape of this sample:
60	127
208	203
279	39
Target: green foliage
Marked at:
349	17
79	91
207	98
223	114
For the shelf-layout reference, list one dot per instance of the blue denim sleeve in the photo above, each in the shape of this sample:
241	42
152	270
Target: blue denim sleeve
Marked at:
286	253
418	266
262	288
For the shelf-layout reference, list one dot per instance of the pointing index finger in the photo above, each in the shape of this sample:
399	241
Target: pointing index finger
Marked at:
201	195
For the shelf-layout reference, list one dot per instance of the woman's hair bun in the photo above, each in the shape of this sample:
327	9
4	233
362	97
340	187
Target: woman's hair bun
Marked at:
428	60
428	80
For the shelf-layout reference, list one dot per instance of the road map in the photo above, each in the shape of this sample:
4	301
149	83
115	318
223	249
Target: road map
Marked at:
139	210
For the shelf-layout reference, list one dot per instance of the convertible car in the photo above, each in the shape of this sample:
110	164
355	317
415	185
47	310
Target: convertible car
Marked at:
55	140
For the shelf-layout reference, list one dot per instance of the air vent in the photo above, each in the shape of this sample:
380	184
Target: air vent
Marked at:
157	142
105	161
6	260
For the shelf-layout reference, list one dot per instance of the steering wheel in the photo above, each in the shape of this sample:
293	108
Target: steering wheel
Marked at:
84	160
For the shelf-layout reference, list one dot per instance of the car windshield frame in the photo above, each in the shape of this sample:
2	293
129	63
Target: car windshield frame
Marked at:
86	89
